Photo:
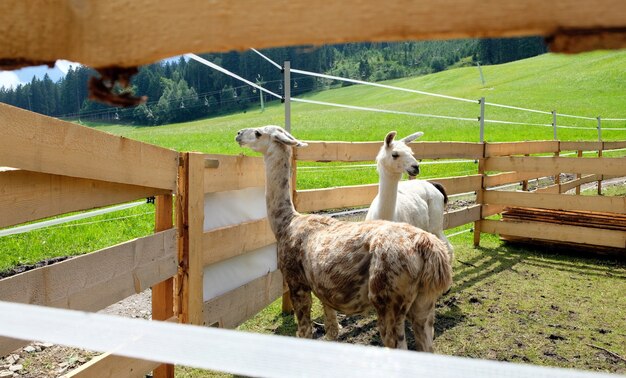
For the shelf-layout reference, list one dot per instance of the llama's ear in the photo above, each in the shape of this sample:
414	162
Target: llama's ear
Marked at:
412	137
389	138
288	139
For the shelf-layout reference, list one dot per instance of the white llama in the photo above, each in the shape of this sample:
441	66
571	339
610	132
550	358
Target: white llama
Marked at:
417	202
396	268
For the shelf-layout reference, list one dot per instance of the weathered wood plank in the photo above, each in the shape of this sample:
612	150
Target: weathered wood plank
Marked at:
233	308
603	166
550	231
93	281
564	187
512	177
194	255
520	148
584	146
367	151
38	143
28	196
226	242
62	29
363	195
163	292
460	217
233	173
557	201
613	145
335	198
109	365
461	184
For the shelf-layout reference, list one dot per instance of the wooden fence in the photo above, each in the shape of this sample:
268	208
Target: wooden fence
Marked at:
62	167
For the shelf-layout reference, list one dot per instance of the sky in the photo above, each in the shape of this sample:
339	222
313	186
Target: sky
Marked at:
11	79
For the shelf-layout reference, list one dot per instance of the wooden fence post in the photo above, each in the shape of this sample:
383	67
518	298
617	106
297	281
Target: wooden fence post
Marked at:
557	176
578	175
479	197
600	152
525	182
163	292
190	223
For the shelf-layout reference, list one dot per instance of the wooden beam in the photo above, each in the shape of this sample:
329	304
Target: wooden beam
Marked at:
335	198
479	197
367	151
363	195
226	242
61	29
550	231
28	196
163	292
584	146
520	148
557	201
93	281
38	143
109	365
191	220
603	166
613	145
235	307
460	217
233	173
512	177
461	184
564	187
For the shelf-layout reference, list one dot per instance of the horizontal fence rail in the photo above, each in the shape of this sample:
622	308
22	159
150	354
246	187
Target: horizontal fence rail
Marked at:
609	166
235	307
49	145
367	151
96	280
236	240
28	196
232	172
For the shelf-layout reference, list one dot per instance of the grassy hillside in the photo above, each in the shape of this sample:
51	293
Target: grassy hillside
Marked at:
589	84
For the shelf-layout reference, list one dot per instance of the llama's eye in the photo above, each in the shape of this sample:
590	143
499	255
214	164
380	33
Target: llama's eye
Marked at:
257	133
395	155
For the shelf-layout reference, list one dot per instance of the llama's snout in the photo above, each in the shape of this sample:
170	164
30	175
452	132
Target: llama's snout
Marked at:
239	136
414	170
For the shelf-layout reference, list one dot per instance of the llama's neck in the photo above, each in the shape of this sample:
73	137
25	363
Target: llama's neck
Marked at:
280	209
387	194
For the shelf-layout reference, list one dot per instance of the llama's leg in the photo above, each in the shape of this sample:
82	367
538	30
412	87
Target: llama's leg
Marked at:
301	300
391	328
422	317
331	325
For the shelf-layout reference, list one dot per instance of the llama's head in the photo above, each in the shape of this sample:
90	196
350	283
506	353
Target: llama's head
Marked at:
262	139
396	157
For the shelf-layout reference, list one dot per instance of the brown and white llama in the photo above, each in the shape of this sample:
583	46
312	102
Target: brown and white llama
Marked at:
396	268
416	202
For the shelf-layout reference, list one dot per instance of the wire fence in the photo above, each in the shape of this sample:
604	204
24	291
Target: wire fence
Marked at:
482	121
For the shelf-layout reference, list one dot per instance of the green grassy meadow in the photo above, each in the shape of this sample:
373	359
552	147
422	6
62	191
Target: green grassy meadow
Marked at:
508	303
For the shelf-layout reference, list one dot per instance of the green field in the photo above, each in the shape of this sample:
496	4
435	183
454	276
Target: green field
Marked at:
508	303
589	85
